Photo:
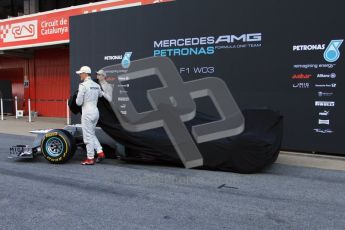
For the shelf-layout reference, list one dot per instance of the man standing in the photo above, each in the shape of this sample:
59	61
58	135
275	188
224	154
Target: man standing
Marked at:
87	98
107	88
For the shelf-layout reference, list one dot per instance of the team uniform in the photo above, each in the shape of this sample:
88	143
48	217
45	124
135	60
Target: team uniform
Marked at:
87	98
107	89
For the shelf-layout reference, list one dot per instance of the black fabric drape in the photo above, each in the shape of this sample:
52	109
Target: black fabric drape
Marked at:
257	147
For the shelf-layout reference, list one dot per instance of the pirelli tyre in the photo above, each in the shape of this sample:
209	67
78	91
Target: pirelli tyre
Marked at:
58	146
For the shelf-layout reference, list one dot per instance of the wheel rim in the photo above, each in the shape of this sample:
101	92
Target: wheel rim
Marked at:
54	147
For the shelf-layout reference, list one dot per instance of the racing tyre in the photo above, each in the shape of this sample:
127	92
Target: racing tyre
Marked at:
58	146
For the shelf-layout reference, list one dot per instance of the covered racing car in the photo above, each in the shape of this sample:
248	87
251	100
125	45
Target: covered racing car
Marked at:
147	137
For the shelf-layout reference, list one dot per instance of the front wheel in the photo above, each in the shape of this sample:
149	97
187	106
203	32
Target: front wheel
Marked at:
58	146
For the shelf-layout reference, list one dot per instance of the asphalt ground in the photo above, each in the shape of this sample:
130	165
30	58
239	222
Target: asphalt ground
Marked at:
115	195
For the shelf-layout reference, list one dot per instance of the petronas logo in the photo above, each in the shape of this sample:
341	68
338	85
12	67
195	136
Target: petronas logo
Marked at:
332	52
126	60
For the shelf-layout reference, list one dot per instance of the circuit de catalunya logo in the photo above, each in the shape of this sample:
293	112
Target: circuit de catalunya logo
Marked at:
19	31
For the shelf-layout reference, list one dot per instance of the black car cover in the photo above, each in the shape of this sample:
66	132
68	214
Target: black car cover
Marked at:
254	149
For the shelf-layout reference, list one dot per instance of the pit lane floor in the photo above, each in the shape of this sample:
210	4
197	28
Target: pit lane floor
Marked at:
115	195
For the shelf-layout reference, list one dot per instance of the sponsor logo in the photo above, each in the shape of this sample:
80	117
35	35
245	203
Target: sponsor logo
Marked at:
94	88
126	60
308	47
301	85
323	122
123	99
326	131
332	52
324	94
122	78
51	134
325	103
301	76
123	85
324	113
19	31
206	45
332	75
333	85
113	58
314	66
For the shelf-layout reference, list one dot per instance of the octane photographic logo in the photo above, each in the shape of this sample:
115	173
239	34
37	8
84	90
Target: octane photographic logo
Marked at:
19	31
330	54
205	45
173	104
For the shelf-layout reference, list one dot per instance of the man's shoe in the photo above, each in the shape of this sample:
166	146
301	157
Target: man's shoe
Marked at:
88	162
100	157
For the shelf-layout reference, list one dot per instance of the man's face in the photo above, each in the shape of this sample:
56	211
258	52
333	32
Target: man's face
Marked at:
100	77
83	76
